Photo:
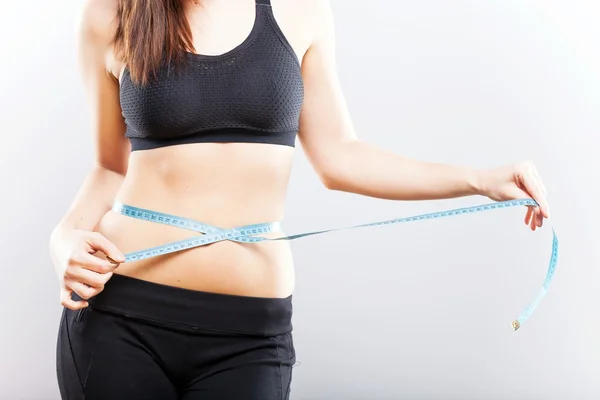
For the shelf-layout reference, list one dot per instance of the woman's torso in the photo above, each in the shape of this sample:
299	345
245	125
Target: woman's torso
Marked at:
222	184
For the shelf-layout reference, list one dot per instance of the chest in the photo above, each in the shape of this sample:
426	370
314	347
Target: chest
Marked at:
261	90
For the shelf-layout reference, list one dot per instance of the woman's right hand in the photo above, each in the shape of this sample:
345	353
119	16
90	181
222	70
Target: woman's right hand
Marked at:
79	270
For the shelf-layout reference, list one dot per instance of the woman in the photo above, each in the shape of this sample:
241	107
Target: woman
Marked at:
196	108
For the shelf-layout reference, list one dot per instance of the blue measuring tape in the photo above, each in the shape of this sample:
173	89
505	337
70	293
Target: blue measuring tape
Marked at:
247	234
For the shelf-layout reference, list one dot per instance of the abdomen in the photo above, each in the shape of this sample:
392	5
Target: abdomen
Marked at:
225	185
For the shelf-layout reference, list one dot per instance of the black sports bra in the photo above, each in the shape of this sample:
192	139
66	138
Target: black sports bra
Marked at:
252	93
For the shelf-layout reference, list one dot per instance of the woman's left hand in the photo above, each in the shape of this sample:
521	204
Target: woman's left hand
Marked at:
516	182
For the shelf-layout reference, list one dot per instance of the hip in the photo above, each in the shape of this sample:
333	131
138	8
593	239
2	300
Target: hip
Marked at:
177	342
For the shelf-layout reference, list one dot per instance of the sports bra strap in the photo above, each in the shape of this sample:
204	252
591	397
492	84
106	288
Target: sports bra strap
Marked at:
265	2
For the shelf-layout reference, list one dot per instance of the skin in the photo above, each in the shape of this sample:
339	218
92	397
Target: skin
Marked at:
206	181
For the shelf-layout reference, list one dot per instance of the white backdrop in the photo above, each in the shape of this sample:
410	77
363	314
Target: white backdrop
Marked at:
419	311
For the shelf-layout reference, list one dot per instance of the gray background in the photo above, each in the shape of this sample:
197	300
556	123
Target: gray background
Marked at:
418	311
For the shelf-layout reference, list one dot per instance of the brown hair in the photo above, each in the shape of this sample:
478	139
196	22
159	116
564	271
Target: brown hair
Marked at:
150	32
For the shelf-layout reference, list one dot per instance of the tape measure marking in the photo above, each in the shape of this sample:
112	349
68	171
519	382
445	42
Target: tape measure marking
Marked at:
247	234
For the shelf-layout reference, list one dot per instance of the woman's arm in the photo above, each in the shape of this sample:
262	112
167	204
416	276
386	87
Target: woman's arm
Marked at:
72	242
347	164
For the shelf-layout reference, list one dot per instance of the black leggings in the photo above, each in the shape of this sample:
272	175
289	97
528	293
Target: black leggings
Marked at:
141	340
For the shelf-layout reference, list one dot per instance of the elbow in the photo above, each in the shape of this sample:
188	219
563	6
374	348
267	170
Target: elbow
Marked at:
114	158
329	183
336	167
332	180
336	174
113	164
108	169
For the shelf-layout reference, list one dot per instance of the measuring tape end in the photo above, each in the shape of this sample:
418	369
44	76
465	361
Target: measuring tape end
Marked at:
516	325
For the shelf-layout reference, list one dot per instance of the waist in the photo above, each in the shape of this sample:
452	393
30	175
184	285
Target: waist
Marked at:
229	267
224	266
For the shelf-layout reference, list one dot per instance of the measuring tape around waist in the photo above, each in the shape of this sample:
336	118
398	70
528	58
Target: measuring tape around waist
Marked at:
247	234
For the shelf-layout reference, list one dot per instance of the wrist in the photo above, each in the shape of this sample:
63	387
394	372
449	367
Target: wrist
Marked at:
61	229
57	233
476	182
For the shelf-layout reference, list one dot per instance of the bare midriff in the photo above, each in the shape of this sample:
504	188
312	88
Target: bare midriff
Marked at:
221	184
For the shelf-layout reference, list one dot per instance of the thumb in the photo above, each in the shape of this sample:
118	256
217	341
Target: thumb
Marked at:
516	193
67	301
98	242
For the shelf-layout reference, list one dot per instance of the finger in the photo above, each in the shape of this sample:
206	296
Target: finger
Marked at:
528	215
545	194
93	263
534	186
82	290
540	181
99	242
537	219
534	190
67	302
88	277
541	184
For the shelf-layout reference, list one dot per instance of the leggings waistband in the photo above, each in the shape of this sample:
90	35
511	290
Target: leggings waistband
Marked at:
193	309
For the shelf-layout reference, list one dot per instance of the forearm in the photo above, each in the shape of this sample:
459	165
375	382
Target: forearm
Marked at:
360	168
72	245
94	199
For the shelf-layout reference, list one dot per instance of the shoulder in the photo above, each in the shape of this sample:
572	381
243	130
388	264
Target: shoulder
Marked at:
97	21
312	7
318	16
314	11
309	19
